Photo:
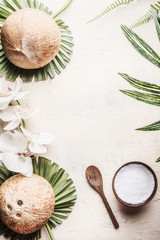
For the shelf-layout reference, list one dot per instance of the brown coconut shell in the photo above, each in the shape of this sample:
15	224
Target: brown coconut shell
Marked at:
30	38
26	204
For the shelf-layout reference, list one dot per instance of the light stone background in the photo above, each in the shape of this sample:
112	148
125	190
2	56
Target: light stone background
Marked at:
94	122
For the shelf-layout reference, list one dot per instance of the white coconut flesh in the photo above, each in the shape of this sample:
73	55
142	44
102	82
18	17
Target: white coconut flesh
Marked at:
30	38
26	204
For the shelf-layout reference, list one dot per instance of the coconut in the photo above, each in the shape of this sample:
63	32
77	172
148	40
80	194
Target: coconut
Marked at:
30	38
26	204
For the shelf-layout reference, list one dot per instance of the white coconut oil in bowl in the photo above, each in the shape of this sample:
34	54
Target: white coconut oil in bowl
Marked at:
134	184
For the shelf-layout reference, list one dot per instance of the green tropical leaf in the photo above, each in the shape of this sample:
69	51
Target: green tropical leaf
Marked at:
141	46
147	16
152	127
64	196
62	9
152	99
156	21
9	70
145	86
110	7
117	3
158	160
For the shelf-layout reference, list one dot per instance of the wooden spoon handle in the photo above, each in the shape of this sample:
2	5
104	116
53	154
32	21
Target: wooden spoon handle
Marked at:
113	219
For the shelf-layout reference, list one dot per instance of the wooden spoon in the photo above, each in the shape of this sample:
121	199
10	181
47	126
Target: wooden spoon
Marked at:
95	180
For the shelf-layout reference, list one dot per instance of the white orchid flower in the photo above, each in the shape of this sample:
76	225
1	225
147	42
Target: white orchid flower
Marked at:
11	93
36	141
14	115
13	153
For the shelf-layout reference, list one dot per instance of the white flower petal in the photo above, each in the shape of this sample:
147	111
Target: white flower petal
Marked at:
20	95
35	147
1	84
16	85
45	138
4	102
28	134
17	164
13	124
13	142
30	113
8	114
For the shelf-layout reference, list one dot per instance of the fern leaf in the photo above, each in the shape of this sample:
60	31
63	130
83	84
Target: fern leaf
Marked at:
146	17
110	7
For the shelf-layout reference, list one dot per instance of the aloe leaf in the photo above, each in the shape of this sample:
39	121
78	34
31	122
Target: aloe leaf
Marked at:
152	99
152	127
141	46
156	21
145	86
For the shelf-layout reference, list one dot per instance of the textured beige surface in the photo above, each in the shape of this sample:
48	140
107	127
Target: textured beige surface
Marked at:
26	204
94	122
30	38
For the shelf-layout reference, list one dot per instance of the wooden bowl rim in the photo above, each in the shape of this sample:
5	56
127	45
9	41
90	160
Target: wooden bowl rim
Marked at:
153	193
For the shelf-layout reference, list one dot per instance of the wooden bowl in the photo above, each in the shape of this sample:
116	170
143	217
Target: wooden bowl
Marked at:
147	200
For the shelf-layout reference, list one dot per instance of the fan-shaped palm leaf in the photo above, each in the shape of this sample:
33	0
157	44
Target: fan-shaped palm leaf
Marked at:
9	70
64	196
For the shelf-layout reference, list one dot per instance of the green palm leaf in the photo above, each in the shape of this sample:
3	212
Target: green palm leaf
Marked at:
156	21
145	86
153	97
9	70
64	196
148	98
141	46
152	127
